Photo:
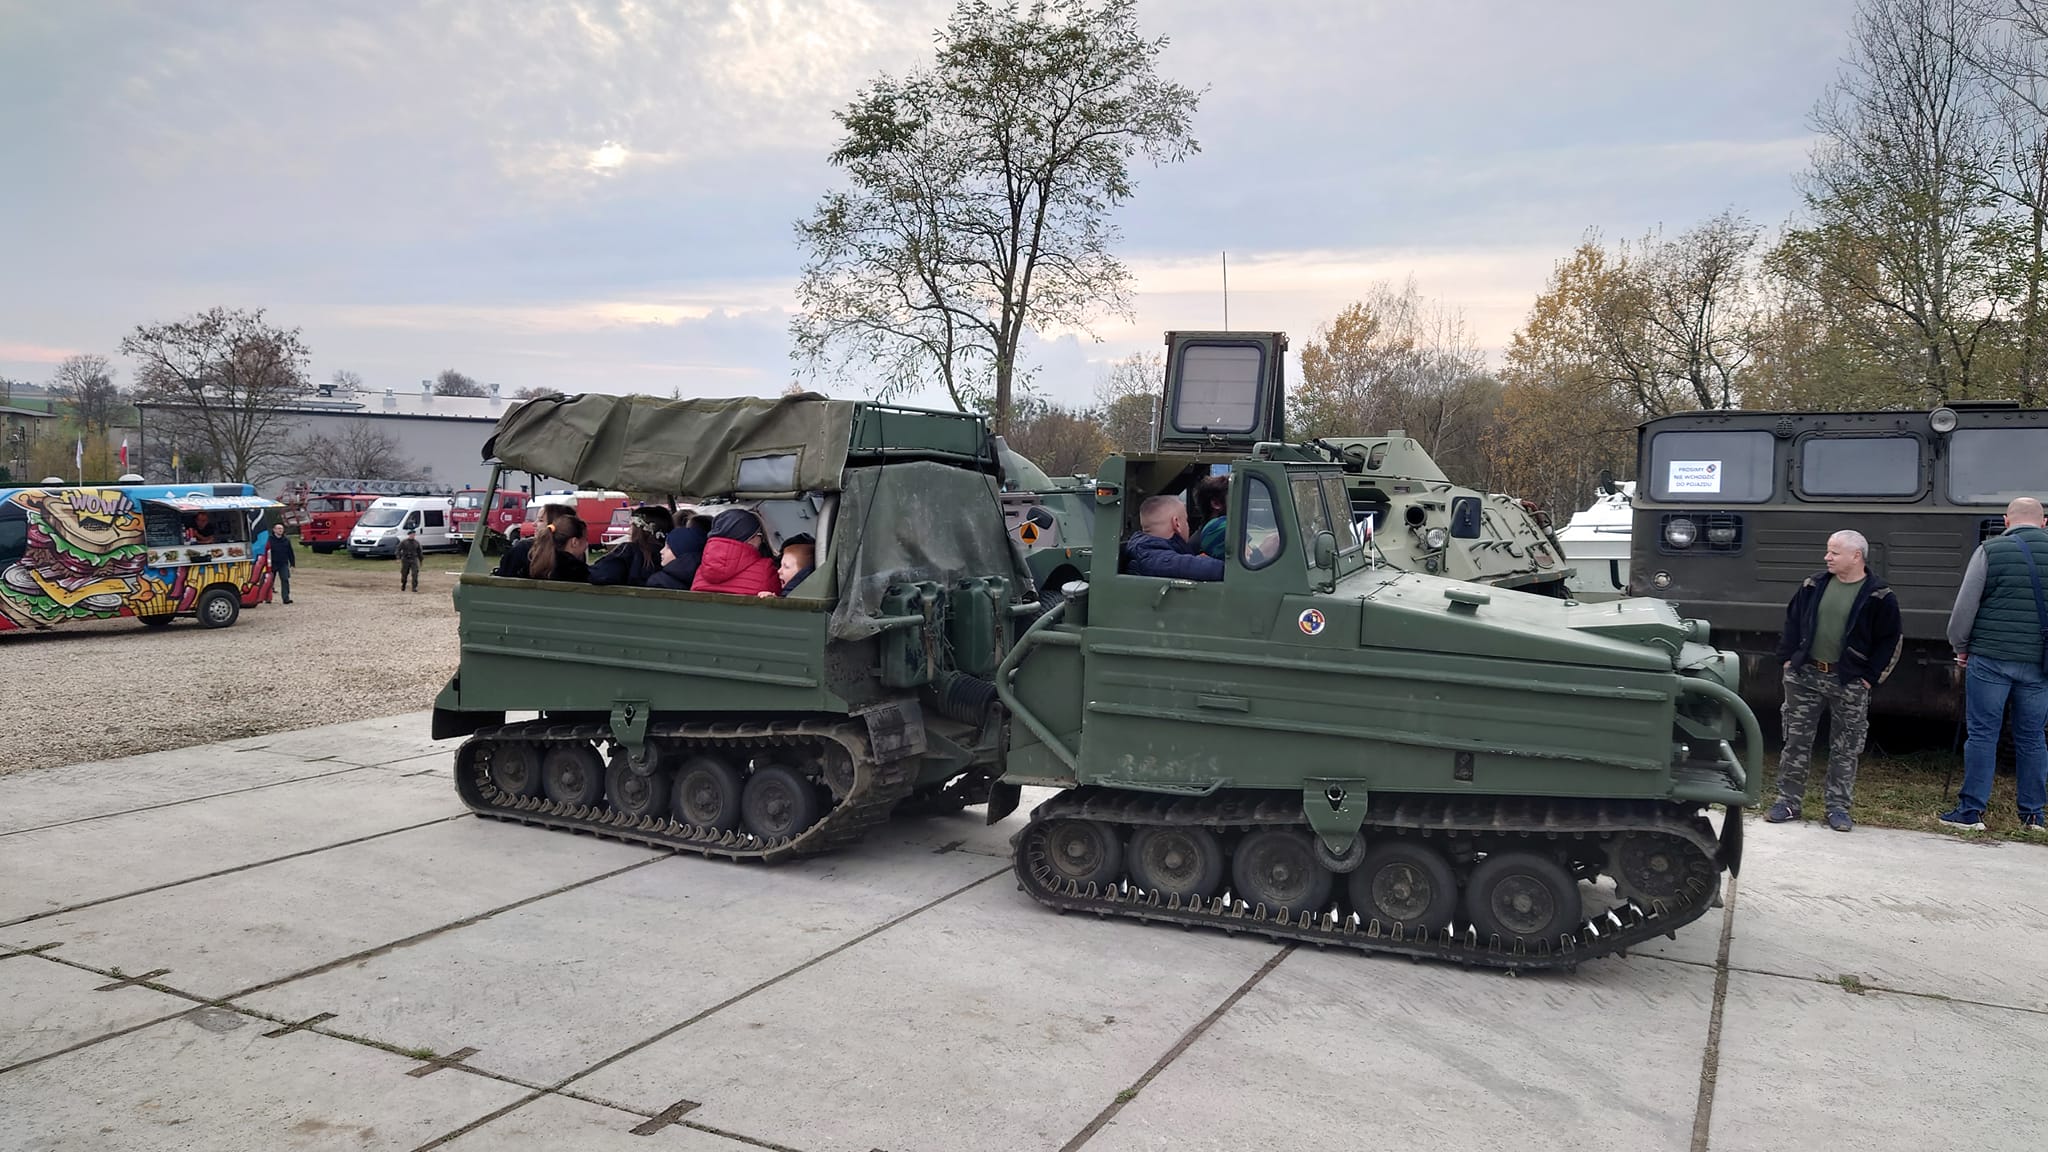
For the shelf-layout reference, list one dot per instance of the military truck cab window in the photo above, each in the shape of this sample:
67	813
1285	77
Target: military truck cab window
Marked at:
1732	467
1219	388
1261	542
1837	466
1995	465
1309	511
1337	498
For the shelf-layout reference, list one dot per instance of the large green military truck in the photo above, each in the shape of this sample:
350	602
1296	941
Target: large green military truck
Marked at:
1313	747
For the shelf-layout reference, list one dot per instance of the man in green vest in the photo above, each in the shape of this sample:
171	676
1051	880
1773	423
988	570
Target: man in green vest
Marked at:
1996	629
1842	638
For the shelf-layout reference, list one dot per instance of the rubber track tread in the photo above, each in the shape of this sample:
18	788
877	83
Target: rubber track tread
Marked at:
877	788
1610	933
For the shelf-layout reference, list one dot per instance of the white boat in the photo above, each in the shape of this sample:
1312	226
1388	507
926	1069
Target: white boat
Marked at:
1596	544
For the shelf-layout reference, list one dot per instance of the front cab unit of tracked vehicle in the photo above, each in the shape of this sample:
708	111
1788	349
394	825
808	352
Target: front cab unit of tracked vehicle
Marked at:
1318	748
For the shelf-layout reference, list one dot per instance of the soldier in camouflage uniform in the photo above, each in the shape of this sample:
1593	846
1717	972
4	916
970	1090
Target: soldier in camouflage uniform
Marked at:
1842	638
409	562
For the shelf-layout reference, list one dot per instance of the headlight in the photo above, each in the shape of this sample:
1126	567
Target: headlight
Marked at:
1680	533
1661	581
1436	538
1721	535
1942	420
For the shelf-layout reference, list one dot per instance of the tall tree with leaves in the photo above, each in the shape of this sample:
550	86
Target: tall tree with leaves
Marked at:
980	196
1127	400
223	376
86	382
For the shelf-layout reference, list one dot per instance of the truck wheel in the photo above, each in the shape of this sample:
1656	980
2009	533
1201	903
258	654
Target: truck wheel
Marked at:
1521	897
634	794
162	621
1175	861
1405	886
1084	851
572	774
708	794
1277	867
219	607
778	803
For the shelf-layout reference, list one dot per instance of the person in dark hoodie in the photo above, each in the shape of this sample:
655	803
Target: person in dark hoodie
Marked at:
637	558
1842	638
1160	547
683	552
733	561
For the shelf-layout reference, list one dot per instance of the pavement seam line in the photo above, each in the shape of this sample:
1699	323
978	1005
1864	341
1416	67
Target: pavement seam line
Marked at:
186	800
1829	981
83	905
1187	1040
1710	1056
728	1002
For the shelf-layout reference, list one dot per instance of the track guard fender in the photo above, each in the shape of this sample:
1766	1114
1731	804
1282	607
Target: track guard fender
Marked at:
1003	799
1731	842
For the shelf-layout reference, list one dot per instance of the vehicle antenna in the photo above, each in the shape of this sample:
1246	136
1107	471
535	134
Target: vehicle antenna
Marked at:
1226	291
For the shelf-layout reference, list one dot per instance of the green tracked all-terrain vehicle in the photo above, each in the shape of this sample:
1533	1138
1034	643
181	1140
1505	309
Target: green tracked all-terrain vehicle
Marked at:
1314	747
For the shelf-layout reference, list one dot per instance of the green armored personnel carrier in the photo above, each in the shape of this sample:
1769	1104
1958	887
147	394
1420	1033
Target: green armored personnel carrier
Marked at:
1312	746
1421	522
1052	520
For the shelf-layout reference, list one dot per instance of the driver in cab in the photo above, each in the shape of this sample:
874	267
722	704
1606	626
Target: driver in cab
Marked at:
1161	548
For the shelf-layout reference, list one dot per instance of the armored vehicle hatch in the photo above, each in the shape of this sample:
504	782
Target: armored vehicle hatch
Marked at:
1225	391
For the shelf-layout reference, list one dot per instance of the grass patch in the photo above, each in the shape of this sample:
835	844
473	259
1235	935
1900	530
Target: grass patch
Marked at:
1851	984
1910	791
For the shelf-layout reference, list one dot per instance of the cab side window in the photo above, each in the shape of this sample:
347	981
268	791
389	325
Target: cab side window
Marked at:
433	516
1259	543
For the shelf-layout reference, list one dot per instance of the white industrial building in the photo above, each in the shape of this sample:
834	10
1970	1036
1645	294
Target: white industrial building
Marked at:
444	435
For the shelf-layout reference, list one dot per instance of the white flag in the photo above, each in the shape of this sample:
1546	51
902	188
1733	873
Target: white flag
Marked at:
78	455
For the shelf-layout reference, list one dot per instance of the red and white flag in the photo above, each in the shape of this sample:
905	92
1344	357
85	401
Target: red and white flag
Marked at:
124	453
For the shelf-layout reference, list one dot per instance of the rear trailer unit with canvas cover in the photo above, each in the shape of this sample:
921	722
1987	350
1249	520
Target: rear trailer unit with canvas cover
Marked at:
739	726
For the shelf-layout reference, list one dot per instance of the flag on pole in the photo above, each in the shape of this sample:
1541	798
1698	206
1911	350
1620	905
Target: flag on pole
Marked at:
124	453
78	458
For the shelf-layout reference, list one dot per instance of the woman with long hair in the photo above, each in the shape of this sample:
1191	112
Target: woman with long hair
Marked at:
558	553
638	557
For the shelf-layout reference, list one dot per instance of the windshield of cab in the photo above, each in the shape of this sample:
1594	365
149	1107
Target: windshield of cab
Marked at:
327	504
469	500
382	517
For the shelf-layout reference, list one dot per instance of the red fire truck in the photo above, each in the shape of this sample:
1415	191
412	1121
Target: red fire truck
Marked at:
333	505
507	505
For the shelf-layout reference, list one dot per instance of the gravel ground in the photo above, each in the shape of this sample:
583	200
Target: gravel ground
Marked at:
350	645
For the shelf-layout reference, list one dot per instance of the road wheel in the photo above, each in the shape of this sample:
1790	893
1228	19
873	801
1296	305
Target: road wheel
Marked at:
778	803
1277	867
219	607
160	621
636	795
707	794
572	774
1083	851
515	767
1521	897
1176	861
1406	886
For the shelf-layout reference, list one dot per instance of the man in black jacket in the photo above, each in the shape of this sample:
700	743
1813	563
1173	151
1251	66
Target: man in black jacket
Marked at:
1842	638
282	558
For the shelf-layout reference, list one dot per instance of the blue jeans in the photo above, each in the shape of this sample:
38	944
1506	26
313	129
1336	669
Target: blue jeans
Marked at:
1986	688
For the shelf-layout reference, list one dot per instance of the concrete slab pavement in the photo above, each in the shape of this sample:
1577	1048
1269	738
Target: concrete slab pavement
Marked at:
42	798
560	1124
47	1007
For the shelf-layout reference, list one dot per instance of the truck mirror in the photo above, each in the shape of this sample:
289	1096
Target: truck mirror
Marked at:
1324	550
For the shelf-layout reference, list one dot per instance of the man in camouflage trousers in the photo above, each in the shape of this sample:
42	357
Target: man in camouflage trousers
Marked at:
409	562
1842	638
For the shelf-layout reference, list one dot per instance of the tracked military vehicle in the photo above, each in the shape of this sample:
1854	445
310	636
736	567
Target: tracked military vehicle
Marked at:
1421	522
1313	747
1051	519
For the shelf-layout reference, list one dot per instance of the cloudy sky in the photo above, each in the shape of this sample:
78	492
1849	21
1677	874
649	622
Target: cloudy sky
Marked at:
599	196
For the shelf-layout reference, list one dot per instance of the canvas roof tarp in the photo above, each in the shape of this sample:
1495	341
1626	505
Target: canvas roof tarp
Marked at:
912	522
747	446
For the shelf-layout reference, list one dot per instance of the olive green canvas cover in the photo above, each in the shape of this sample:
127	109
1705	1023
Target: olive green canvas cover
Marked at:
680	447
912	522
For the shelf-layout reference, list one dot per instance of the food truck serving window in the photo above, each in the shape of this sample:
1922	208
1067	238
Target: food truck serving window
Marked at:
1859	466
1995	465
1711	467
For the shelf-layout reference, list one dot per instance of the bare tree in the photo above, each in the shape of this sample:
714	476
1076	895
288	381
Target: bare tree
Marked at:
453	383
357	449
536	392
346	381
86	382
1062	441
1127	400
982	189
222	377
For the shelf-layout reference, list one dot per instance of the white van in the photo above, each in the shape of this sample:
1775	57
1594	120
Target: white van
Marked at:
391	517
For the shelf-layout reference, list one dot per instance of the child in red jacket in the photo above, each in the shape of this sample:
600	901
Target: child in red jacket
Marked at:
733	562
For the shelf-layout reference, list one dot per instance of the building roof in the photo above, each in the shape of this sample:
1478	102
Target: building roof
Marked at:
389	402
11	410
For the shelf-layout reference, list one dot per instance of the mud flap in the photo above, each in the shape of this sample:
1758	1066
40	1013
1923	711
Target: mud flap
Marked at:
450	722
1002	800
895	730
1731	842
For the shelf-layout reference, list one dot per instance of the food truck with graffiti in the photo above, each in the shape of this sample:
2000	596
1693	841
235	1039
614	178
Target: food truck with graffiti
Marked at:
151	551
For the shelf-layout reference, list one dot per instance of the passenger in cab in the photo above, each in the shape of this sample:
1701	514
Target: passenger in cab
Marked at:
1212	501
733	561
799	558
637	559
682	554
558	553
1160	546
